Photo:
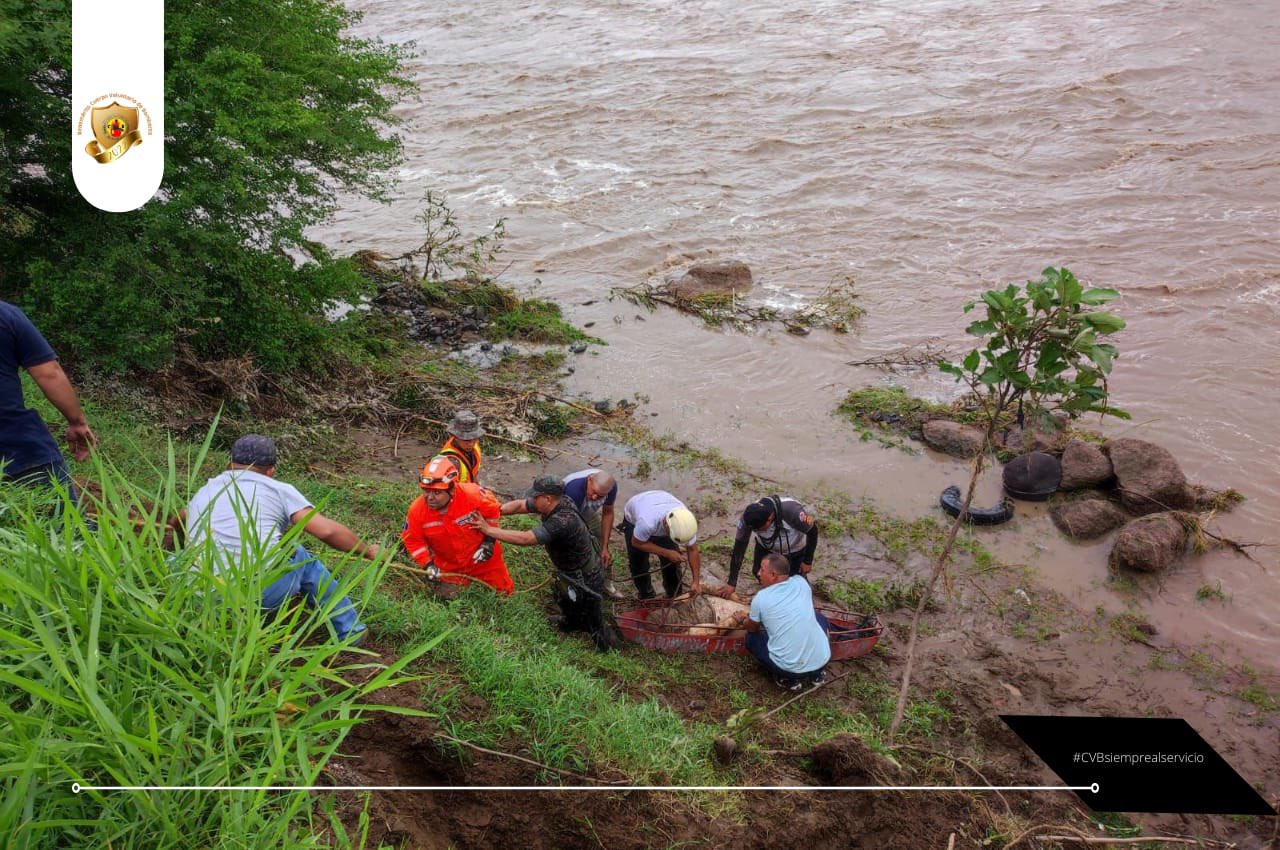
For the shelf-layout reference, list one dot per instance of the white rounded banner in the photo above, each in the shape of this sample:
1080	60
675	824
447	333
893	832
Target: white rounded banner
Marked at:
117	102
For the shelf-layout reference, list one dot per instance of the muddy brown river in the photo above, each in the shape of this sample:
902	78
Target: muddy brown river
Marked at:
928	149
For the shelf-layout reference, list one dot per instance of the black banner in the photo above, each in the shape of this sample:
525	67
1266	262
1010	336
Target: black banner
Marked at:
1140	764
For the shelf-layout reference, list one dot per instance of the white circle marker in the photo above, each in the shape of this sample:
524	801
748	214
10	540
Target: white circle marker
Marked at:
75	787
1094	788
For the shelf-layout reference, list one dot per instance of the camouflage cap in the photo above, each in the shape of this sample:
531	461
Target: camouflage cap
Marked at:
465	425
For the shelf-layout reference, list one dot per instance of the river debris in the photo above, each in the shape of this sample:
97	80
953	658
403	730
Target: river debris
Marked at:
924	355
834	308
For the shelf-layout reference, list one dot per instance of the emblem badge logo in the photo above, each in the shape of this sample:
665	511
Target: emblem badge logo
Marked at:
115	130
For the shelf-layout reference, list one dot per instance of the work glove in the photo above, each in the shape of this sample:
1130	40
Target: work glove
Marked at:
483	552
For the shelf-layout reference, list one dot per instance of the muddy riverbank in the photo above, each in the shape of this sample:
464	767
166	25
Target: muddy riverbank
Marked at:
998	641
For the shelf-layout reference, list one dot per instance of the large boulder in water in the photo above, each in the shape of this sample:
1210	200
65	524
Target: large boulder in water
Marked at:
728	277
952	438
1148	477
1083	466
1086	519
1151	543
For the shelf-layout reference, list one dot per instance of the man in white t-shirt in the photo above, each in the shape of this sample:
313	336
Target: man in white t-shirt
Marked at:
246	507
784	631
657	523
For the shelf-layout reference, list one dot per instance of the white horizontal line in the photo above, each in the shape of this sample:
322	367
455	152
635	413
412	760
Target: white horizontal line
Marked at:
76	788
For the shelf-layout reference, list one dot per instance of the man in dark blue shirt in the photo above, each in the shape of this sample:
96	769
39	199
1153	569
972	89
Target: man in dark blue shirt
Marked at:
594	491
28	452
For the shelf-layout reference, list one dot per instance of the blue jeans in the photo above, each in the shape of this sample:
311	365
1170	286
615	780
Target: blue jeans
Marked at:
312	580
47	475
758	645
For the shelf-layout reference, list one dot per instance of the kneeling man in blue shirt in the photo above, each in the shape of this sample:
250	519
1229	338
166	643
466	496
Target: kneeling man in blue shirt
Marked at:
784	631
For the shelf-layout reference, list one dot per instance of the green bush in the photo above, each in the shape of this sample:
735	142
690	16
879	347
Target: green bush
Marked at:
274	114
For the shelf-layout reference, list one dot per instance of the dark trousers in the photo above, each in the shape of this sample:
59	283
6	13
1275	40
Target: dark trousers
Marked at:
638	562
758	645
583	611
45	475
795	559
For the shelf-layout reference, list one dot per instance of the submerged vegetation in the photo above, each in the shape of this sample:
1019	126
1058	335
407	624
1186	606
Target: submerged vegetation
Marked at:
834	308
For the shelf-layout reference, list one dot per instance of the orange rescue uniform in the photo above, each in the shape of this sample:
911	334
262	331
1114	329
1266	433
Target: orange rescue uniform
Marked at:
468	463
436	536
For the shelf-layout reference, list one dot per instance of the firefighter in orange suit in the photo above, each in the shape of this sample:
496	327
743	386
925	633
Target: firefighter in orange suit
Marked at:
435	531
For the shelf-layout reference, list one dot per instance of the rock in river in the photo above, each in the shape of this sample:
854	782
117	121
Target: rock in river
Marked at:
1149	478
729	277
1084	465
1088	518
952	437
1150	544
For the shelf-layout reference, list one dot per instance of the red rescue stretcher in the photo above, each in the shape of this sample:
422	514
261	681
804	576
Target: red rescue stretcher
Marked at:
851	635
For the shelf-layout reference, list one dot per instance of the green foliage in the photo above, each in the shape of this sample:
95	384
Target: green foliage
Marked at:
891	402
273	113
1211	591
126	665
536	320
446	250
1043	343
886	413
872	596
552	419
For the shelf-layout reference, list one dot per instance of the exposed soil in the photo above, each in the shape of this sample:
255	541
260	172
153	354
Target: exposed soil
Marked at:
394	750
1030	654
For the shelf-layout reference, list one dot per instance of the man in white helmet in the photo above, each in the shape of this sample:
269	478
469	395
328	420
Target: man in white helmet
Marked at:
657	523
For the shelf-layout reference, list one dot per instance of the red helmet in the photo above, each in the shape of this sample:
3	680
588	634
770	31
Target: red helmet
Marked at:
438	474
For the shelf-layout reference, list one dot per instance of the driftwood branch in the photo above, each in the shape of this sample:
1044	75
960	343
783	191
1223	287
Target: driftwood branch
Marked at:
925	354
957	760
939	568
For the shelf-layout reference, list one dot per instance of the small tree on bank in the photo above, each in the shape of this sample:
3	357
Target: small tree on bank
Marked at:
1040	348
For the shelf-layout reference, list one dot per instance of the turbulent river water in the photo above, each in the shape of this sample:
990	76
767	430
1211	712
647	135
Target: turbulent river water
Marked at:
929	149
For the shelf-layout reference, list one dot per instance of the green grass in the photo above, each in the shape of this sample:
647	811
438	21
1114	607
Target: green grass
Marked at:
900	537
874	595
1206	592
546	694
128	666
877	699
553	697
537	320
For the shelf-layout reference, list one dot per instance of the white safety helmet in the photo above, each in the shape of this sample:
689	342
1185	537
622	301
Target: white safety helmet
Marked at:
682	525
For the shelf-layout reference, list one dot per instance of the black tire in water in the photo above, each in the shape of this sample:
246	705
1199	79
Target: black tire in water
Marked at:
952	501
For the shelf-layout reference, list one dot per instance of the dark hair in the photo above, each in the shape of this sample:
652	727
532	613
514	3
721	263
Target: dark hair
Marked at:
757	514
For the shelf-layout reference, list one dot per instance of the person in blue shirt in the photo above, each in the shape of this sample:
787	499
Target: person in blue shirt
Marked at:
784	631
28	452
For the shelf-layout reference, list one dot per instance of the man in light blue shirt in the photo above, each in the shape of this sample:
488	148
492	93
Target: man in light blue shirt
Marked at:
784	631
